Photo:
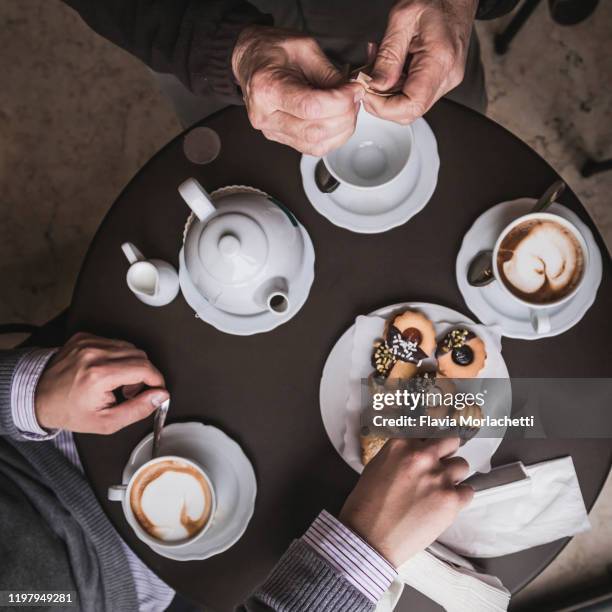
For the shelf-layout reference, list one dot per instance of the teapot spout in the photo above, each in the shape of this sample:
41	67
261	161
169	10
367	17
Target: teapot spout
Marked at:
197	198
278	302
274	296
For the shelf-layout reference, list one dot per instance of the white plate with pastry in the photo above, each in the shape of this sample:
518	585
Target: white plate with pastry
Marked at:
351	361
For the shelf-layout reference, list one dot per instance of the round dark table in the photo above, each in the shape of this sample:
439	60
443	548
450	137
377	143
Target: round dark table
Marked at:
263	390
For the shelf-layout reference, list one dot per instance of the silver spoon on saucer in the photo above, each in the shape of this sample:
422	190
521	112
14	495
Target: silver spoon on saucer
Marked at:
158	424
480	270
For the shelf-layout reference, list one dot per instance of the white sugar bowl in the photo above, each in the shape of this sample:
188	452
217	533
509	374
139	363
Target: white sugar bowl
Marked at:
243	251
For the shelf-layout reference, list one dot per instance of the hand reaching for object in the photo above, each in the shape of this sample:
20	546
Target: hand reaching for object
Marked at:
407	496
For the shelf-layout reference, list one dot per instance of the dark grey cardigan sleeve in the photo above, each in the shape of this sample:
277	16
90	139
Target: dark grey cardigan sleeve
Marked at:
303	581
192	39
491	9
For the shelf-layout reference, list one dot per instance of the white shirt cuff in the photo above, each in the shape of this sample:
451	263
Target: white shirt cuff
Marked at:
349	555
23	392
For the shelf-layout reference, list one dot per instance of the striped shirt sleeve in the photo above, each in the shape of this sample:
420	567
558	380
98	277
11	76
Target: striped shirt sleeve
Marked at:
154	595
350	556
23	390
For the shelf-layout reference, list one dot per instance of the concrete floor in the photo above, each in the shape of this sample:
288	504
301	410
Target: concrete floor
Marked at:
554	90
78	117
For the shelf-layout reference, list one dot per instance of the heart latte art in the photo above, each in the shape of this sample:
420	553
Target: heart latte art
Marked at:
171	500
540	261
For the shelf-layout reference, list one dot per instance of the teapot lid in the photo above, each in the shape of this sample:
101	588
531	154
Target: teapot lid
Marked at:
233	248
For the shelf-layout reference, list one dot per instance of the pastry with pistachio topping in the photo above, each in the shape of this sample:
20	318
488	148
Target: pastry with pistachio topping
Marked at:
409	339
461	354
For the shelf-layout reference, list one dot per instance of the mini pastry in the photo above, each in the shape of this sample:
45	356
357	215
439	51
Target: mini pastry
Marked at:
370	446
461	354
443	384
437	412
413	320
382	359
410	339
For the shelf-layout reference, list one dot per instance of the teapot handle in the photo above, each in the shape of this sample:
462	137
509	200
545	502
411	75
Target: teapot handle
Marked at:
197	198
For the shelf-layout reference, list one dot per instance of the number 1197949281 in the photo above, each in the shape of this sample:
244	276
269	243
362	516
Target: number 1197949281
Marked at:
38	598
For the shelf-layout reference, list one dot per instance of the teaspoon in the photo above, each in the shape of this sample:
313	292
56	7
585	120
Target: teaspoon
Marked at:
158	424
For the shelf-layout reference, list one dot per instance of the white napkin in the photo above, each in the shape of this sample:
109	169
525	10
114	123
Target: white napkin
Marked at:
450	581
550	509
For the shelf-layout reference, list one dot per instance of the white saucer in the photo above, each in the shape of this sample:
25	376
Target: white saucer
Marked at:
398	206
230	471
335	388
492	306
247	325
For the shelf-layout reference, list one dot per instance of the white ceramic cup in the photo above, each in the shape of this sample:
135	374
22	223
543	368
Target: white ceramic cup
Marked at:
379	153
153	281
540	313
122	493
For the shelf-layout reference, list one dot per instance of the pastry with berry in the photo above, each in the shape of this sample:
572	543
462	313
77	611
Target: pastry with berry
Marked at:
410	338
461	354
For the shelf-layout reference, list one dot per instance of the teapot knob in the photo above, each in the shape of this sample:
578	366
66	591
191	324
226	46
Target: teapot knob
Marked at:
229	244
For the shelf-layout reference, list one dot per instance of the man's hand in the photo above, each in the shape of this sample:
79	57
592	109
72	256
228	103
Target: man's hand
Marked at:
407	496
75	392
434	36
293	94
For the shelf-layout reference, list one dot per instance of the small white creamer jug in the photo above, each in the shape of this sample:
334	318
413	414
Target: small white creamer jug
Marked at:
152	281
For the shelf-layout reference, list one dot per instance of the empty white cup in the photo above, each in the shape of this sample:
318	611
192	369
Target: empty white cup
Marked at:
378	153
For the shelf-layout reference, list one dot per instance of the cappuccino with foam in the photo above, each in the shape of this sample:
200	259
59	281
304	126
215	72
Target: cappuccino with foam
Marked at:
540	261
172	500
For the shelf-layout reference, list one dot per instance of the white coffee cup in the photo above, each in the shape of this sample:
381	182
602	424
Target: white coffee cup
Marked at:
540	313
122	493
153	281
377	155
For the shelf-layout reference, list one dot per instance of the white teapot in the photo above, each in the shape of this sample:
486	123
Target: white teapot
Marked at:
242	251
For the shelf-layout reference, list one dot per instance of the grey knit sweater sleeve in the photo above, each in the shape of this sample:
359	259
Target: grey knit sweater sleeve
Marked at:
302	581
38	482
